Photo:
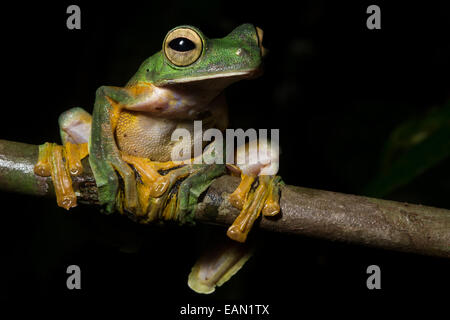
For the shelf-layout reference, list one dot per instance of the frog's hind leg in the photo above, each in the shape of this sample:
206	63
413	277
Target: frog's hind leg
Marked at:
62	162
222	259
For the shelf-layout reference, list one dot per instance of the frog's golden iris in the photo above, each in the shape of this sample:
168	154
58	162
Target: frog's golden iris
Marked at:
183	46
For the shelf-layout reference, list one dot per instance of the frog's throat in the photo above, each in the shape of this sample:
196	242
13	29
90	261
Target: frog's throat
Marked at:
178	100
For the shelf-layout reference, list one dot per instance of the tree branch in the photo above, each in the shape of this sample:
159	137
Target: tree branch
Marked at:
317	213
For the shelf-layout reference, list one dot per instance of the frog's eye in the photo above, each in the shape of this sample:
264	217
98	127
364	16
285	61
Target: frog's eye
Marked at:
183	46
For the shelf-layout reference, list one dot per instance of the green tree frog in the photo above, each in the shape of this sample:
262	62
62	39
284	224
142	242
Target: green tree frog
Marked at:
128	140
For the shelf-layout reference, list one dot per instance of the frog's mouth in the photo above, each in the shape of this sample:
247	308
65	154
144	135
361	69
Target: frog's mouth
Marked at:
230	76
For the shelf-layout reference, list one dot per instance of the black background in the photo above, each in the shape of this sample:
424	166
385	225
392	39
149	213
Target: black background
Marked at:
334	89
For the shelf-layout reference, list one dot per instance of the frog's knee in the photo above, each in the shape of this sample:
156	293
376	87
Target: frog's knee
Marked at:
75	125
104	91
259	157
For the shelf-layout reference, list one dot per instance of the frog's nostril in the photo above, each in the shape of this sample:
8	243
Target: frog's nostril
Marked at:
260	35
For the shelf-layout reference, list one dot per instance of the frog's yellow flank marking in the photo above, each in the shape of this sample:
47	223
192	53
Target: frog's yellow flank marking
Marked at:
125	120
61	162
115	113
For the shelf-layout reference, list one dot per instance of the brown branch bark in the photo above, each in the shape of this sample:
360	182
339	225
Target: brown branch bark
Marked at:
317	213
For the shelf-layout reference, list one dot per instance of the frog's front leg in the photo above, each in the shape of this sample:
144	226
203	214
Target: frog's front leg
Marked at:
259	188
104	155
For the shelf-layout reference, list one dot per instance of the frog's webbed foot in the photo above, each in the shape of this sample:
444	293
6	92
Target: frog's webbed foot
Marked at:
64	162
259	189
61	163
155	183
160	197
253	196
154	190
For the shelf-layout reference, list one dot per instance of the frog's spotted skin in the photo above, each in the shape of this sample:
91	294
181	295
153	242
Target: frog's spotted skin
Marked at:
129	135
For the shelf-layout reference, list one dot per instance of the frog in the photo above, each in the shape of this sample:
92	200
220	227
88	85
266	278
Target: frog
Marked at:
128	139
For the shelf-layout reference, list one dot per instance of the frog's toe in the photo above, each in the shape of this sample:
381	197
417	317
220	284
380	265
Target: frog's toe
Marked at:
74	153
263	199
237	198
272	205
43	166
130	194
159	186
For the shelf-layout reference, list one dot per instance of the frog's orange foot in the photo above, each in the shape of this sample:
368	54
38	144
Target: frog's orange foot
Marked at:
148	171
264	198
61	162
154	187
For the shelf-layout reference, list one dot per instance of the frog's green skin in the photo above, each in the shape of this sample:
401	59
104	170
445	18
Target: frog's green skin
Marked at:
139	118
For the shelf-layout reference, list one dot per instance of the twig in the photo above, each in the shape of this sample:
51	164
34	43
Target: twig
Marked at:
317	213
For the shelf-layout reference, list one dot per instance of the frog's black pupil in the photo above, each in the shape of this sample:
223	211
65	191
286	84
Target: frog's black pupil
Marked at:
181	44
